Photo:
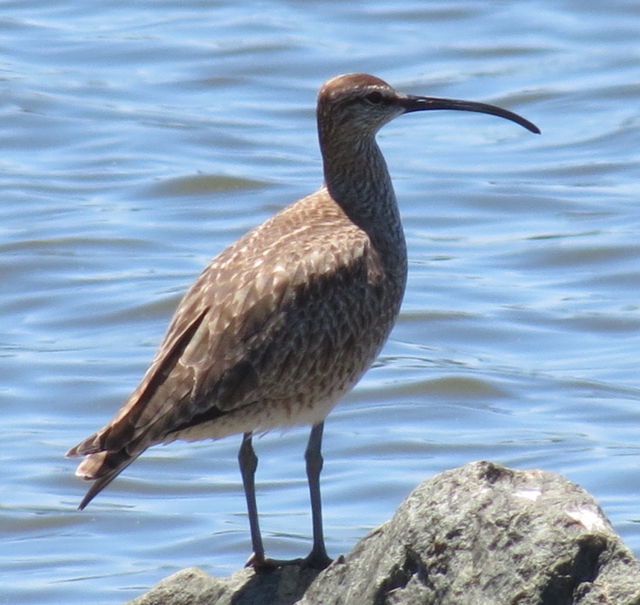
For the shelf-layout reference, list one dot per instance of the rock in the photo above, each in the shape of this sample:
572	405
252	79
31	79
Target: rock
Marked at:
481	534
487	534
192	586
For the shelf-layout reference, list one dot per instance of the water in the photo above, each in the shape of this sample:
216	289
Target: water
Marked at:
140	138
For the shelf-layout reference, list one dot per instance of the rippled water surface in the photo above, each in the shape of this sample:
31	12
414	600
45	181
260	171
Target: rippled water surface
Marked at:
140	138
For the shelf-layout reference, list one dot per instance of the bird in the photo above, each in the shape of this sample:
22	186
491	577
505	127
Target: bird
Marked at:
286	320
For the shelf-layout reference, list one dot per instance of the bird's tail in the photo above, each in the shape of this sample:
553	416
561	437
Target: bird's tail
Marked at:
99	466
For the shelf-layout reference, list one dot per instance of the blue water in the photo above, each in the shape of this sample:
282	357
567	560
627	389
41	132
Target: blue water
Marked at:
138	139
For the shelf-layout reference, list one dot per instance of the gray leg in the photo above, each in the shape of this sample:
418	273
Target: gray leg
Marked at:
248	463
248	460
318	557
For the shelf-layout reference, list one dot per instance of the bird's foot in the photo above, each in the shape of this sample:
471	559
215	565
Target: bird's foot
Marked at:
262	564
313	560
317	559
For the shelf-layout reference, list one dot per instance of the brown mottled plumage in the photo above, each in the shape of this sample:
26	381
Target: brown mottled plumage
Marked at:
287	319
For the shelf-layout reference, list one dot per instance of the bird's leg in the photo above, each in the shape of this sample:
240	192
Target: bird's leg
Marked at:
248	463
317	558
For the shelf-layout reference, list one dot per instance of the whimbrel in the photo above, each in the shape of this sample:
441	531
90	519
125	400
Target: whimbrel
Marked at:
286	320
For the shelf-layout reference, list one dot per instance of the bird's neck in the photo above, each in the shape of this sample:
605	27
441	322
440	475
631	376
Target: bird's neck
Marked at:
357	179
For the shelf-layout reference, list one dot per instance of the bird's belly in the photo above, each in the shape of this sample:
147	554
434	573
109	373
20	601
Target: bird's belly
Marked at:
298	387
302	393
283	414
299	366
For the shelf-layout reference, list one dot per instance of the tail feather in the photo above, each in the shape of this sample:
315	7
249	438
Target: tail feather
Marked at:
90	445
103	468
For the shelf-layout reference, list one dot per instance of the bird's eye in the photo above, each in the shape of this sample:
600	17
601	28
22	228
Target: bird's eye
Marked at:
374	98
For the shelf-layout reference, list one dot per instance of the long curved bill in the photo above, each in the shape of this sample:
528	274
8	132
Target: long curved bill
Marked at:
413	103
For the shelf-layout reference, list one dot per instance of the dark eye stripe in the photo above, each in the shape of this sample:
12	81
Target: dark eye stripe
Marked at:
375	97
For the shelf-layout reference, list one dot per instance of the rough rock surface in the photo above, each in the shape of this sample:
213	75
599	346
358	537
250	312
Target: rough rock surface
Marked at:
481	534
192	586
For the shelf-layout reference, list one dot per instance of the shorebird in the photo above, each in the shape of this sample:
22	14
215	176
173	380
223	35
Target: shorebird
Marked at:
283	322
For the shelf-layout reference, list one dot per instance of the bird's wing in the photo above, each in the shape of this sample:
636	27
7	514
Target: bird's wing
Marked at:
210	359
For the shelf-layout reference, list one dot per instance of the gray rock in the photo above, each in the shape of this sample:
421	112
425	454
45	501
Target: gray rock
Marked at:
192	586
481	534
